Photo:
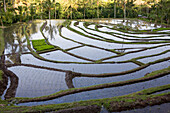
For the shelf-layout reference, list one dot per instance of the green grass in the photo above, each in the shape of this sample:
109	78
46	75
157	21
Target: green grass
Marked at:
3	102
1	49
153	75
1	73
160	29
1	42
41	45
107	102
158	72
153	90
131	98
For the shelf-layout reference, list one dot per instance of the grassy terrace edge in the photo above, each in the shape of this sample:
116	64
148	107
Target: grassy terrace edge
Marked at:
35	54
154	31
1	49
112	33
131	101
109	40
40	45
93	75
151	76
98	75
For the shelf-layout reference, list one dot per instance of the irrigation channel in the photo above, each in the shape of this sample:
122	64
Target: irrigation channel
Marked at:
60	61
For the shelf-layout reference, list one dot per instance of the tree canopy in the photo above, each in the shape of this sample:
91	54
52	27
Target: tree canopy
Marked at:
12	11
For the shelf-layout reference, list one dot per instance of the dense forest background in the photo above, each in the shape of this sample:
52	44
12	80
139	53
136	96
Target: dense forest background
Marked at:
12	11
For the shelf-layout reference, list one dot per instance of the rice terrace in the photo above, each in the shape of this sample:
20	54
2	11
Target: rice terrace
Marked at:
85	64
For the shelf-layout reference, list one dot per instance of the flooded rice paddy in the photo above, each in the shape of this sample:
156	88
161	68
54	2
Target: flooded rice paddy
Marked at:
85	53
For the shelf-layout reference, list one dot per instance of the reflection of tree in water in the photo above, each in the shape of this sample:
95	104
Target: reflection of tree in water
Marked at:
11	91
51	30
68	78
14	46
14	42
3	84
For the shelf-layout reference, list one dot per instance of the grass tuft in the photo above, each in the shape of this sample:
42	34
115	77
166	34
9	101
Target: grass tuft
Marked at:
41	45
1	73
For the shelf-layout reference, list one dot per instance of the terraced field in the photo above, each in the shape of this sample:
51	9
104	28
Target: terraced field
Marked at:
60	61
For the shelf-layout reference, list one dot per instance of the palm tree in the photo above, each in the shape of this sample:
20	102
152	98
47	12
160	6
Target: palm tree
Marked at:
20	9
56	5
5	6
114	8
32	11
51	30
124	9
98	2
1	14
71	6
48	5
84	9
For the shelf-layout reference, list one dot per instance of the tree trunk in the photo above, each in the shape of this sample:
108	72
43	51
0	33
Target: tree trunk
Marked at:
124	10
49	14
71	12
147	11
55	12
13	3
4	6
114	8
84	9
97	8
2	23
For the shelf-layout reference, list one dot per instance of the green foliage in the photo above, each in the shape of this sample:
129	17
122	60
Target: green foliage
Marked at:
32	11
41	45
160	29
107	102
1	42
3	102
157	12
158	72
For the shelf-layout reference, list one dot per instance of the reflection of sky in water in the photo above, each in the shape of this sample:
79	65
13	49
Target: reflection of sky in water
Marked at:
102	34
141	25
38	82
74	36
142	53
88	81
92	53
82	68
106	92
151	59
61	56
132	35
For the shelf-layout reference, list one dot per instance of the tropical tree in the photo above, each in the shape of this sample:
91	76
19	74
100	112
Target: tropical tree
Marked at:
57	6
32	11
124	8
20	9
114	8
5	6
48	4
1	14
